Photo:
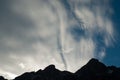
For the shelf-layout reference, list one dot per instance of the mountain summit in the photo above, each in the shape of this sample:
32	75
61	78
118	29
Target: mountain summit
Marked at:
93	67
93	70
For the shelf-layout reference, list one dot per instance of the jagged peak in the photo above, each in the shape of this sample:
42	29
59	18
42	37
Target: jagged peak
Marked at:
93	70
50	67
93	62
93	66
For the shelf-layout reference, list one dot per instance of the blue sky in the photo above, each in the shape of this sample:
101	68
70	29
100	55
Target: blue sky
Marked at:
113	56
67	33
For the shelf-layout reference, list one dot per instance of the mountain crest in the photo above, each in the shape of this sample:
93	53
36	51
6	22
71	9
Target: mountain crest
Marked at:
93	70
92	67
50	67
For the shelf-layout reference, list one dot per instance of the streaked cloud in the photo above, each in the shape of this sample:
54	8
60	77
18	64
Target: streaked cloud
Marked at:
34	34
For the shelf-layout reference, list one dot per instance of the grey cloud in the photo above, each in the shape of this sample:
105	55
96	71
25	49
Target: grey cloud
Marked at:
34	33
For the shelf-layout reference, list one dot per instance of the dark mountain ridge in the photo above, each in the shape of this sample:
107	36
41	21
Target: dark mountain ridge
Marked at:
93	70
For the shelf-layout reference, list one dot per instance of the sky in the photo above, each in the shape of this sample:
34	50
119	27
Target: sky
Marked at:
67	33
114	51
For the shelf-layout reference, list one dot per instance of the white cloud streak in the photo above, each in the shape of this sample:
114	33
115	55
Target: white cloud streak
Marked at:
46	25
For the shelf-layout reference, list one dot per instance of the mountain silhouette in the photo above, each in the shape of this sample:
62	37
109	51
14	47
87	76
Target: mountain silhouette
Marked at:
2	78
93	70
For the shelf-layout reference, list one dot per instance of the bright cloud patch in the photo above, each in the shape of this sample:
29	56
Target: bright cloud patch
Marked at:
66	33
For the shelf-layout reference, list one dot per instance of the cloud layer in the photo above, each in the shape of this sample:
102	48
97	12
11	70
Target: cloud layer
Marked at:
67	33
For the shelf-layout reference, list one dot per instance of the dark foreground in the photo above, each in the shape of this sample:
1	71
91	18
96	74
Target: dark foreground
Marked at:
93	70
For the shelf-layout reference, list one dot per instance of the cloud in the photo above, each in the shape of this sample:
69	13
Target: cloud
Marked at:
7	74
34	34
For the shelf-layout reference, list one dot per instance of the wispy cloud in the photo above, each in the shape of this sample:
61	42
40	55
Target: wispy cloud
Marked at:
67	33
